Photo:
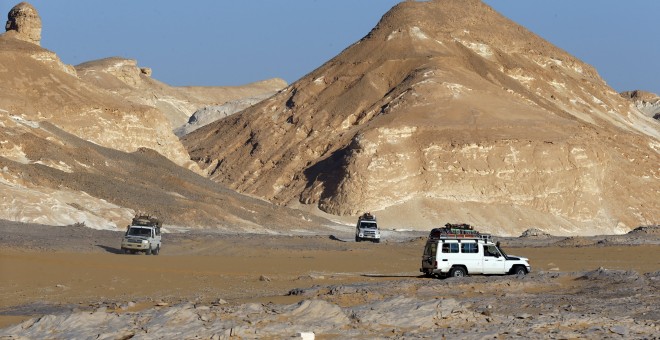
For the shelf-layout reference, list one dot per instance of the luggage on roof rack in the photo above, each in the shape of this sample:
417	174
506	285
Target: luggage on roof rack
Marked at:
463	226
367	216
458	231
146	221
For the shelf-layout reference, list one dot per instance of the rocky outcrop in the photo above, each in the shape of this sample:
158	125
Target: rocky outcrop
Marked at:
647	102
447	111
41	92
124	77
24	19
535	233
210	114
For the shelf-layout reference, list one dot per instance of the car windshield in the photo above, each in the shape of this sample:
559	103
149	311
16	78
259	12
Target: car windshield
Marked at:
368	225
139	232
502	251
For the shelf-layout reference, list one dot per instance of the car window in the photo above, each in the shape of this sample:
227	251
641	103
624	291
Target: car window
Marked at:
140	232
450	247
368	225
491	251
470	248
431	248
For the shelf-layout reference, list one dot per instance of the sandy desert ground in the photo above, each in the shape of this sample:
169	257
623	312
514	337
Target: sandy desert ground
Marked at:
66	271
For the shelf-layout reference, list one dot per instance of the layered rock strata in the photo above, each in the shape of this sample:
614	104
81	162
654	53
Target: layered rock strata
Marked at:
447	111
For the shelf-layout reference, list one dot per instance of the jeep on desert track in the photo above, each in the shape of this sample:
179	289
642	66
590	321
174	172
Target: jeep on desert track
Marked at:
367	228
142	235
459	250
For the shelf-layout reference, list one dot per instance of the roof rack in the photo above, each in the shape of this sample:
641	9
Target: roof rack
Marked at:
458	231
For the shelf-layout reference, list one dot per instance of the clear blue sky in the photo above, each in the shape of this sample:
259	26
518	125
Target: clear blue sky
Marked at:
219	43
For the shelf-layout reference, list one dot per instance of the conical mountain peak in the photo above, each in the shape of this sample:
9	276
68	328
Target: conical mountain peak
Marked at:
444	103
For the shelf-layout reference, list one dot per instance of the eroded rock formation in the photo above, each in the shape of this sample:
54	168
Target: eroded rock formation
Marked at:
24	19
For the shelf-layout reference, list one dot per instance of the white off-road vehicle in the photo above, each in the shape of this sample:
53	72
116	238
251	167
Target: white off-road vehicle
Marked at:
459	252
143	235
367	229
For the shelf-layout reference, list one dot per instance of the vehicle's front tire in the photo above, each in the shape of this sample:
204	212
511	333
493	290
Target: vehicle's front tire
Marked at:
377	240
357	239
157	250
519	270
457	272
149	250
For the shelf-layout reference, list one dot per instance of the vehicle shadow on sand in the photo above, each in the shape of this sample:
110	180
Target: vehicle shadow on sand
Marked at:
335	238
112	250
392	275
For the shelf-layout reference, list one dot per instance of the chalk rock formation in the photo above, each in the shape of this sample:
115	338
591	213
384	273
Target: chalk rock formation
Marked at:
123	77
647	102
447	111
210	114
36	91
24	19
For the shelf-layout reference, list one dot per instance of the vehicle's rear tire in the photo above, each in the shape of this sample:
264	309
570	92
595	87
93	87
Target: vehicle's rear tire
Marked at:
519	270
157	250
457	272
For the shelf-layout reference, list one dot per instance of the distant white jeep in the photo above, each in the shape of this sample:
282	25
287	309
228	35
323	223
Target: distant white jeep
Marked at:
367	228
461	255
143	235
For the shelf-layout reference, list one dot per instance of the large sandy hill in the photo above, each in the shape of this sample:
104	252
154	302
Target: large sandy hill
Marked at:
446	110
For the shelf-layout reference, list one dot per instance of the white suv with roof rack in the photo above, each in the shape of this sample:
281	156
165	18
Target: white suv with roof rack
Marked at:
367	228
142	235
459	250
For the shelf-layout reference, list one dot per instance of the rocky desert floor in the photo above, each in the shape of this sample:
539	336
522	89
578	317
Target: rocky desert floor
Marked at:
72	282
